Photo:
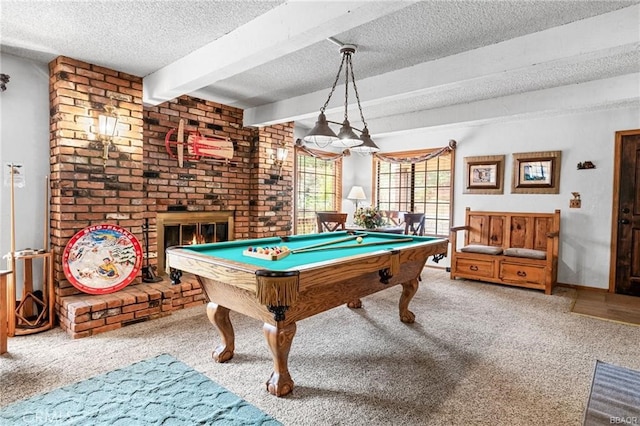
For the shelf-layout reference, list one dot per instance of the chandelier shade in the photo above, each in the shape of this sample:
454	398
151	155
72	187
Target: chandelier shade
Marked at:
322	135
346	137
368	146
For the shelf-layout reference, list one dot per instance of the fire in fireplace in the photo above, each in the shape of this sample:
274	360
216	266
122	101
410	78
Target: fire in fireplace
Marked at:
185	228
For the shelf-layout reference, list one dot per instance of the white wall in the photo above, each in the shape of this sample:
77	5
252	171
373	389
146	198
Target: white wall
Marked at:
356	170
585	232
24	139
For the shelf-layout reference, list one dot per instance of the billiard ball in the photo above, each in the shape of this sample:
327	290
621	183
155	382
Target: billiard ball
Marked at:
359	240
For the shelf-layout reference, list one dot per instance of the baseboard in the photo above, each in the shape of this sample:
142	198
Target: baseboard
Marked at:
583	287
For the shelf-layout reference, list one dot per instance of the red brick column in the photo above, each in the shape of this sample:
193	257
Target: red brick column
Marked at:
84	191
272	186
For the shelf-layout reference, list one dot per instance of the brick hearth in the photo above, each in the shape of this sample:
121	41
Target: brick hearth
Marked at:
141	179
83	315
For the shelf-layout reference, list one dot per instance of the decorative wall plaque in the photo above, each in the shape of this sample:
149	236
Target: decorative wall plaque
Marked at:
102	259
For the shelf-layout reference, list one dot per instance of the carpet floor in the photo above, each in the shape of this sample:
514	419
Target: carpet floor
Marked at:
478	354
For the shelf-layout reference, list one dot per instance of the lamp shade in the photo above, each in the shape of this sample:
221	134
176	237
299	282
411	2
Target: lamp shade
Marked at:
346	137
281	154
356	193
107	125
368	146
321	134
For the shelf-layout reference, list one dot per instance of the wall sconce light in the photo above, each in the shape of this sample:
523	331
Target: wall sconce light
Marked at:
279	158
356	194
107	124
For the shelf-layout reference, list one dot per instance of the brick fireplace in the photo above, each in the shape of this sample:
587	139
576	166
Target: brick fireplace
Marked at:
245	197
183	228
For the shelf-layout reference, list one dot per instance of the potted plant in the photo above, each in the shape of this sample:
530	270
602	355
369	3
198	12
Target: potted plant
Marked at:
368	217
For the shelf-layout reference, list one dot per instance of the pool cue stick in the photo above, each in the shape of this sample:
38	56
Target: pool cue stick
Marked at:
46	214
376	243
45	242
11	293
326	243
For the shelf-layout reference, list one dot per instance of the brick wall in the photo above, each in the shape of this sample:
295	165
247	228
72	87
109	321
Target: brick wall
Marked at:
248	184
142	178
85	191
271	194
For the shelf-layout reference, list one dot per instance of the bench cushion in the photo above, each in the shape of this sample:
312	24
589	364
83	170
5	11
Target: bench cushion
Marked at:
523	252
482	249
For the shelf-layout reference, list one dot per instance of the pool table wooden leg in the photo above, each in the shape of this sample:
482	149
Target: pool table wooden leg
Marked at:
279	340
409	289
219	316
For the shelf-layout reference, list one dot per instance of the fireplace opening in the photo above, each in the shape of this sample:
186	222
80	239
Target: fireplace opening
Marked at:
186	228
195	233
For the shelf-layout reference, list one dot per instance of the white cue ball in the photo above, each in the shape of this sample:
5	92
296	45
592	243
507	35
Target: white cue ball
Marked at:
359	240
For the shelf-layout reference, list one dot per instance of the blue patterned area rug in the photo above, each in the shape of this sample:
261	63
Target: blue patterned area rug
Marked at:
615	396
156	391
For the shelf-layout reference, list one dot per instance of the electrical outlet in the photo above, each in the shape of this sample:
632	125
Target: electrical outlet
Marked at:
575	204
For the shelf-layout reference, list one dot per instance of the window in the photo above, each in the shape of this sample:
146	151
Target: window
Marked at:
318	188
423	187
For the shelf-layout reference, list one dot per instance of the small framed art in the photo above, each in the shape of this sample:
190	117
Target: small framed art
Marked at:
536	173
484	175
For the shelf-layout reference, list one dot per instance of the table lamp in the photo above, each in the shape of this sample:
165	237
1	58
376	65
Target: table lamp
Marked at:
356	194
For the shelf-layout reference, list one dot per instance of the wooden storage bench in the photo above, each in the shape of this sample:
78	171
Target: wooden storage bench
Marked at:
519	249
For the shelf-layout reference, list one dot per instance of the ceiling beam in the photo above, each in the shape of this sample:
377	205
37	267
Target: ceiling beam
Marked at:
287	28
619	91
609	34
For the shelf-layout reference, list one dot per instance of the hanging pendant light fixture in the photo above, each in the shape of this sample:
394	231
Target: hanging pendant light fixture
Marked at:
368	147
322	135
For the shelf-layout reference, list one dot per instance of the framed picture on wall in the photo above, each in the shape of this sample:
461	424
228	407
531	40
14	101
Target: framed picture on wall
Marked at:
484	175
536	173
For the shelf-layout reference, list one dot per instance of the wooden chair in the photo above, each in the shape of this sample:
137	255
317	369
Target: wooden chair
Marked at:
392	217
414	223
331	221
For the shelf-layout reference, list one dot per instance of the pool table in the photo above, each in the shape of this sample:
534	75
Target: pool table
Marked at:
334	270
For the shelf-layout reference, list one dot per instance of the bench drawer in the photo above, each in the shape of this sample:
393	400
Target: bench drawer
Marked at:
477	268
519	273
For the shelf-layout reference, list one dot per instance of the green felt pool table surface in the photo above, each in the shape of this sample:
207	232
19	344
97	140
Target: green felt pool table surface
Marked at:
372	242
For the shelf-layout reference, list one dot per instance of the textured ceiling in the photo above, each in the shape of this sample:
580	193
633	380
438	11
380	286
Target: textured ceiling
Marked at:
136	37
273	58
422	32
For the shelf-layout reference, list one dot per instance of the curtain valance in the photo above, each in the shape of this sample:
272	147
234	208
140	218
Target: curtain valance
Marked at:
391	158
400	159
